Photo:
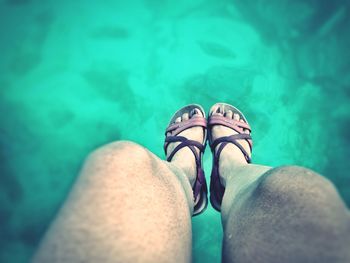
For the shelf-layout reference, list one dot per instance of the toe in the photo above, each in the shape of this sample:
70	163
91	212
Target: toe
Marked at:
185	116
218	110
195	112
229	114
213	110
244	130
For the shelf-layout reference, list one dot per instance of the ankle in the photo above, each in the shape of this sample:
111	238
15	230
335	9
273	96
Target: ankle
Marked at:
231	158
187	167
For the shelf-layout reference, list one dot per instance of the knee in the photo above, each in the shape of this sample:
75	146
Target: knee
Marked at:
120	151
294	184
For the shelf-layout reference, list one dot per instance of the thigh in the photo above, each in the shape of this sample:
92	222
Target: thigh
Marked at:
127	205
291	215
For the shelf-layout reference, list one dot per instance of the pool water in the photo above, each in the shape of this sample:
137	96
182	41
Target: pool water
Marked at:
75	75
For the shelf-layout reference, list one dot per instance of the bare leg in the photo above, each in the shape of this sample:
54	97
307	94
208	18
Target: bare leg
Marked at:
127	206
287	214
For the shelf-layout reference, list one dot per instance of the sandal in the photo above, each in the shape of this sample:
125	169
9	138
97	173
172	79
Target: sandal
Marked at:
216	187
200	186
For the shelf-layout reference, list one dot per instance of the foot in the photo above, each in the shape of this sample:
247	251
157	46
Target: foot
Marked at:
231	154
184	158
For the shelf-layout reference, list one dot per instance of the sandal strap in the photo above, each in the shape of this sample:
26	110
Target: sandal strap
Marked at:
222	146
200	183
231	139
184	142
176	128
172	132
217	188
238	126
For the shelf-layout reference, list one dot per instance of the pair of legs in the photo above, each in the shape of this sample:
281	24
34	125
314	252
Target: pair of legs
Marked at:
130	206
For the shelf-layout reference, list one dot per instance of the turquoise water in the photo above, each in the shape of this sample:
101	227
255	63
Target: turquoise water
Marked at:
76	74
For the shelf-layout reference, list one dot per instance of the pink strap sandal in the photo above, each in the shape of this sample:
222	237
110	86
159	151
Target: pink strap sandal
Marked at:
216	187
200	186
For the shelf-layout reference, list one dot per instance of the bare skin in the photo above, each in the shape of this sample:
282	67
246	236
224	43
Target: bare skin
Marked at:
129	206
184	158
236	174
286	214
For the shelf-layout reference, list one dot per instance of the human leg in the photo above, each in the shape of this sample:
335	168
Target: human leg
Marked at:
127	206
286	214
